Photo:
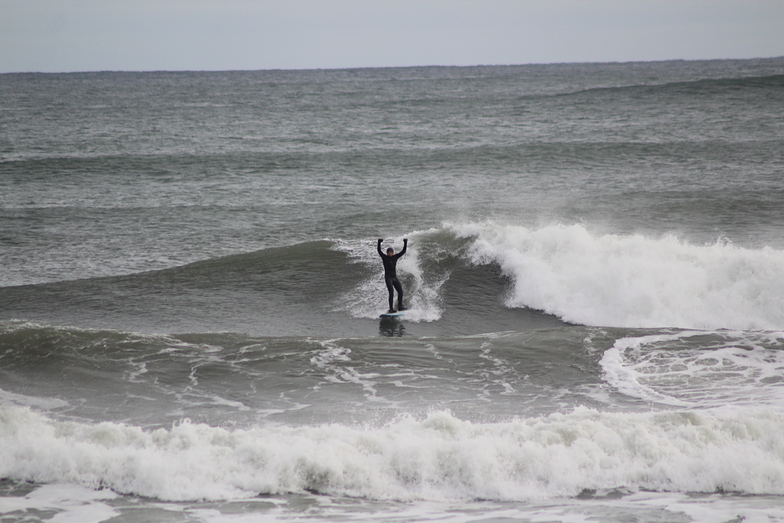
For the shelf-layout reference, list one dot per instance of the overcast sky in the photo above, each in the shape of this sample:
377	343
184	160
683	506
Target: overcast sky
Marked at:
143	35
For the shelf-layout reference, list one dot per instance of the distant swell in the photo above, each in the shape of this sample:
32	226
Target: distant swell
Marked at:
699	87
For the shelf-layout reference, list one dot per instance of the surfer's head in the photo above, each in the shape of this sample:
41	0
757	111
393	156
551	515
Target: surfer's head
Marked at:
390	251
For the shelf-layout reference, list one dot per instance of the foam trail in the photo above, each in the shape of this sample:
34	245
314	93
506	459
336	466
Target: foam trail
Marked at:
627	379
438	458
699	368
74	503
633	281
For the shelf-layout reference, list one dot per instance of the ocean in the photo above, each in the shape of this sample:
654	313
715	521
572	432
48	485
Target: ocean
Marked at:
190	294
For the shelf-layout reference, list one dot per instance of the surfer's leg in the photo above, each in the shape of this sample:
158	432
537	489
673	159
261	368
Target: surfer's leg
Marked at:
399	289
391	293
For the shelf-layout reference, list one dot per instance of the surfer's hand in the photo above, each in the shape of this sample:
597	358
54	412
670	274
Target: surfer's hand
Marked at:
405	240
380	240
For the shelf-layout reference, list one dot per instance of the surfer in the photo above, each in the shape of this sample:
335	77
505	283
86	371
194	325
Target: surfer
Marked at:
390	273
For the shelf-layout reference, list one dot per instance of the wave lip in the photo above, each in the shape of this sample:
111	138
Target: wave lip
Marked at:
633	281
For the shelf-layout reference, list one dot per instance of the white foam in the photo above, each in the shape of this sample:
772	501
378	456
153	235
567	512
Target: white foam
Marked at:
633	281
437	458
73	503
330	360
628	380
31	401
718	368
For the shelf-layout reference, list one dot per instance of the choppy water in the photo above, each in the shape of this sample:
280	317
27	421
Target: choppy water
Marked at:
190	294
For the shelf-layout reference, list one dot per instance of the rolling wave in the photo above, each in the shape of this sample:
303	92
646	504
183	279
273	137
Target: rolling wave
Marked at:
460	278
633	280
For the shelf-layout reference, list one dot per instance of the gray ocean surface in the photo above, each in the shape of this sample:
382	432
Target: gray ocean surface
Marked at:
190	294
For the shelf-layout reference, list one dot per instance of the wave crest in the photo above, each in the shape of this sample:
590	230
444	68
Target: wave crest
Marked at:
633	281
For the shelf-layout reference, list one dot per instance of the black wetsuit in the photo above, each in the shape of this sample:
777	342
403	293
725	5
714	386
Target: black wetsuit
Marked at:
390	275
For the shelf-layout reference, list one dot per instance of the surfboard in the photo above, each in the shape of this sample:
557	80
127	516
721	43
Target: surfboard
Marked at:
392	314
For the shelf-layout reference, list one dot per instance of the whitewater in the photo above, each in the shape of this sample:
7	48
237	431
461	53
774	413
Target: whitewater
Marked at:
438	458
634	281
